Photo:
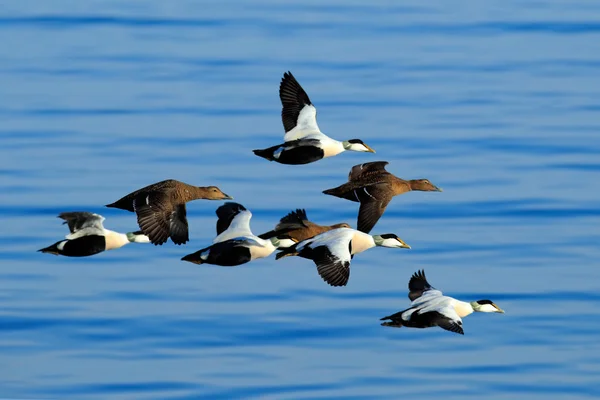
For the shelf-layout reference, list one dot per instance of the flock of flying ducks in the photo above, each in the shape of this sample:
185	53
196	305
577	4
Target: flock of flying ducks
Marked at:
161	214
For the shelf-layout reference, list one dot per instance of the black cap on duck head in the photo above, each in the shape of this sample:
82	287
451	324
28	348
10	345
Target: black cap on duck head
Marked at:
357	145
486	306
389	240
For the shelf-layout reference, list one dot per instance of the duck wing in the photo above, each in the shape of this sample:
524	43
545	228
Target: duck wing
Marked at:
82	223
417	285
450	325
360	171
373	201
298	114
331	253
155	212
234	221
226	214
448	319
178	225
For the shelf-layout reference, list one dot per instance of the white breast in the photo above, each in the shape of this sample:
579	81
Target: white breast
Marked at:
263	248
462	309
330	147
114	240
361	242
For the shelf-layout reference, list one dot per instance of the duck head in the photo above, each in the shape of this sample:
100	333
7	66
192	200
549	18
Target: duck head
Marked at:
389	240
486	306
423	185
356	145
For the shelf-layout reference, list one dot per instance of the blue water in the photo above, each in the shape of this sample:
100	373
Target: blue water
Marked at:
496	102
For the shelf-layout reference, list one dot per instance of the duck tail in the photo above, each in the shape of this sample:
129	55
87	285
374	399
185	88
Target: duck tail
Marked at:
51	249
266	153
395	320
194	257
290	251
343	192
393	324
331	192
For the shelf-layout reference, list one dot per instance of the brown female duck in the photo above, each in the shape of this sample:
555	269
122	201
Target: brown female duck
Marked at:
309	229
373	187
161	211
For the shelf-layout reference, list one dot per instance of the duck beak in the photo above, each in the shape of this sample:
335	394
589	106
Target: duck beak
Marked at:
227	197
369	149
438	189
403	245
501	311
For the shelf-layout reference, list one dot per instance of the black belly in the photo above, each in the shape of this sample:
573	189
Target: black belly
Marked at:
226	255
301	155
84	246
425	320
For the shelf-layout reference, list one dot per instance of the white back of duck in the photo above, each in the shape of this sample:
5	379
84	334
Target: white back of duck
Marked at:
239	227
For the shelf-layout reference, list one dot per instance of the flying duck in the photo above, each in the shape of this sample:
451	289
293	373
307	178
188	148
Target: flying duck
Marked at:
304	141
88	236
160	208
373	187
430	308
332	251
307	231
235	243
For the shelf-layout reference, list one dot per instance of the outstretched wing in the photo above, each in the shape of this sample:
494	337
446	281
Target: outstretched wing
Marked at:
294	216
298	114
82	223
334	268
178	225
154	212
362	170
373	201
226	214
418	285
234	221
78	220
331	253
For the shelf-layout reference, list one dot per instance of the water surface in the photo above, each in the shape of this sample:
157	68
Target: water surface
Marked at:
496	103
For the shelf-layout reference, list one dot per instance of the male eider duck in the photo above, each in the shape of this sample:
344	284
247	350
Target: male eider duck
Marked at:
307	231
430	308
88	236
160	208
332	251
235	243
373	187
304	141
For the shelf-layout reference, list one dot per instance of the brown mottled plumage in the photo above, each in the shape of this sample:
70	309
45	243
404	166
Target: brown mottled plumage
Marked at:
373	187
161	211
309	229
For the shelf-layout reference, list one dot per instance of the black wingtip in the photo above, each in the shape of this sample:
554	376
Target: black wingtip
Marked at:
298	215
420	275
